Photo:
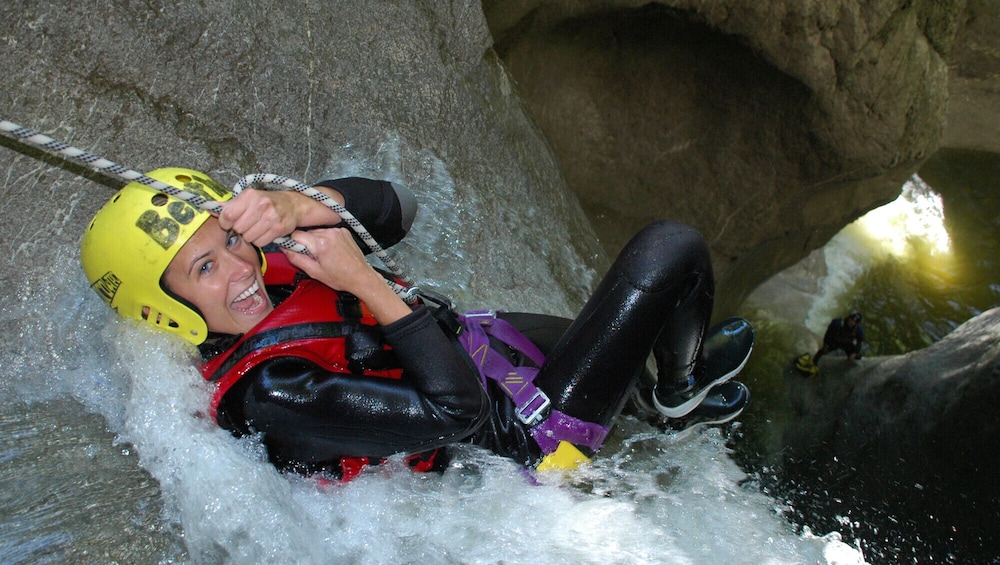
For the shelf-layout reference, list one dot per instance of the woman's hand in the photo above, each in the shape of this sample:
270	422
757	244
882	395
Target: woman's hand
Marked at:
335	260
261	216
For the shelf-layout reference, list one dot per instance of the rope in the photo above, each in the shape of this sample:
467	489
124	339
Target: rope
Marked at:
99	164
285	183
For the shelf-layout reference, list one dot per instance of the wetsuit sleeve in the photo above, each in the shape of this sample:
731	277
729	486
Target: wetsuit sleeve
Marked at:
385	209
310	415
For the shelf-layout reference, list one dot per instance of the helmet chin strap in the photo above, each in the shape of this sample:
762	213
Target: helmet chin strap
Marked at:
101	165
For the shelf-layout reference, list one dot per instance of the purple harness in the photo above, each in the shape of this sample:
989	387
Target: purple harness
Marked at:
548	426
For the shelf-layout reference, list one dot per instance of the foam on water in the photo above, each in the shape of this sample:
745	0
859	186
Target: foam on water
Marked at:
649	497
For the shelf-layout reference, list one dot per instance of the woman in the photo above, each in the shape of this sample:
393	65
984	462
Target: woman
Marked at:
318	355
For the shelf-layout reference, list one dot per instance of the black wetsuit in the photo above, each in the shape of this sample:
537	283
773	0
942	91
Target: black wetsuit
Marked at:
656	297
840	335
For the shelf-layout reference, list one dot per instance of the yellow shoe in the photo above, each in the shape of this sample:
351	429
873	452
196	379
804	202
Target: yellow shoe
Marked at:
805	364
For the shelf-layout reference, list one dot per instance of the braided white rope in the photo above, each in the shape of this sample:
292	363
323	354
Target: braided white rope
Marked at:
99	164
285	183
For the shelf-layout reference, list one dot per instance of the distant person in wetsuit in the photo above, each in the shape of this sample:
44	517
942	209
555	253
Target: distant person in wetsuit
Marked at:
845	334
320	358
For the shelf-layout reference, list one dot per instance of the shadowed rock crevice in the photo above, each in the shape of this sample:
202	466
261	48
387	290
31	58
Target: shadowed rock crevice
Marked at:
768	127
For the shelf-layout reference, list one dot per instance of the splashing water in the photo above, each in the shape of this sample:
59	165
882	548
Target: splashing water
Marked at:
918	214
649	499
193	493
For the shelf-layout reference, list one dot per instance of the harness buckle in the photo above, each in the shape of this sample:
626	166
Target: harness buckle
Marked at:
431	296
529	413
481	314
483	317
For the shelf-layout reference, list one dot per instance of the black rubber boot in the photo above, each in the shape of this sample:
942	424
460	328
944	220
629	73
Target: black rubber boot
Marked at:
724	354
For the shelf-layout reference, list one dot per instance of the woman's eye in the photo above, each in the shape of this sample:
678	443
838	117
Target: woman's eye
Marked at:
206	267
232	240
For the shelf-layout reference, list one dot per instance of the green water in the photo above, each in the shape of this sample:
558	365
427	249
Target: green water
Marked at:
912	300
914	304
909	301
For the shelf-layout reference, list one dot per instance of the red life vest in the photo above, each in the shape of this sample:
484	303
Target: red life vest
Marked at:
313	323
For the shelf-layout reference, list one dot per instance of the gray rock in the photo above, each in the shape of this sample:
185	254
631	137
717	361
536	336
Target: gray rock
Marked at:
399	90
767	125
919	428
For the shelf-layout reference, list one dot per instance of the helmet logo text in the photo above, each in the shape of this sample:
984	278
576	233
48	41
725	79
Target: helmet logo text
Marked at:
164	230
202	185
181	212
107	286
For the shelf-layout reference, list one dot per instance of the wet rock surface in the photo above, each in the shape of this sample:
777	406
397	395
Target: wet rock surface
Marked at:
766	127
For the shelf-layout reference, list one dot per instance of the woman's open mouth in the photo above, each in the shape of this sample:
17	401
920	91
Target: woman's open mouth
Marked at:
250	300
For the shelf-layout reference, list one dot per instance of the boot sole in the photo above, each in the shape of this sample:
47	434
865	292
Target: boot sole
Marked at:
735	398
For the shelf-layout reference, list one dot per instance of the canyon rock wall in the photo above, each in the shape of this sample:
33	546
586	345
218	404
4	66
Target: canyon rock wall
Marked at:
767	125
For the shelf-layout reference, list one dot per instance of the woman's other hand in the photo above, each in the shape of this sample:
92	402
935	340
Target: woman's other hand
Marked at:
335	260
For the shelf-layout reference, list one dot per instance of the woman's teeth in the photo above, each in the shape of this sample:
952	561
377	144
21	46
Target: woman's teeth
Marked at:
251	294
248	292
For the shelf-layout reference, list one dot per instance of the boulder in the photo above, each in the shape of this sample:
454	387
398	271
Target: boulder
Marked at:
399	91
767	125
974	81
909	432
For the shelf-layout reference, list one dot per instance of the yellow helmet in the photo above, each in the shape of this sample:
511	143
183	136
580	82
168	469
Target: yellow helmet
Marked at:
131	241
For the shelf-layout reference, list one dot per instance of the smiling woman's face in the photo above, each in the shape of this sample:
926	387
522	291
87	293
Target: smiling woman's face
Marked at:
220	274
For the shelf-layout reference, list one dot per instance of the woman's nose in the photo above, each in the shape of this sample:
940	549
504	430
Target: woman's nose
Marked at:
240	267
